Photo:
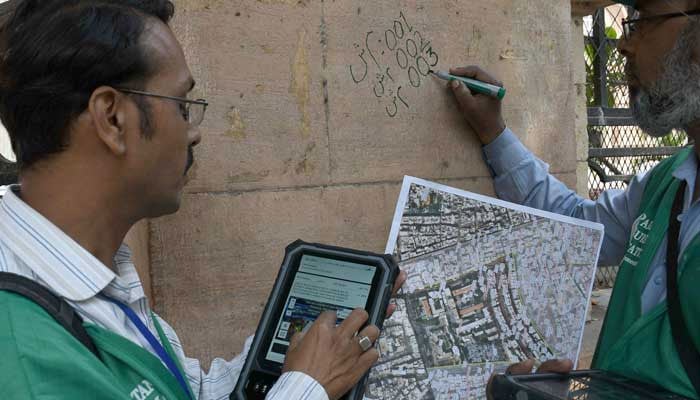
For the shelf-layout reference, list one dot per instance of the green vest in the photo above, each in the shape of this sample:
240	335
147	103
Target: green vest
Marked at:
638	345
39	359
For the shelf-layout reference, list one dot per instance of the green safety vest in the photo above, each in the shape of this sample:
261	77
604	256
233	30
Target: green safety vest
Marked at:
641	346
39	359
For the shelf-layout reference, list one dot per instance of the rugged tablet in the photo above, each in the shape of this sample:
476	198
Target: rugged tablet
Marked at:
314	278
589	385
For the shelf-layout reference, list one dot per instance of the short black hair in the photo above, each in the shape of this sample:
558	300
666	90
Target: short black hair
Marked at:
55	53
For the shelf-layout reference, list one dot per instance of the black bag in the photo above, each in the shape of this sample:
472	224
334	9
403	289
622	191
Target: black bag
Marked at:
687	351
58	308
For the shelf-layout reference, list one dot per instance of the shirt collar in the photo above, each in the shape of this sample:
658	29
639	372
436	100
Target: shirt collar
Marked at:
126	286
67	268
688	172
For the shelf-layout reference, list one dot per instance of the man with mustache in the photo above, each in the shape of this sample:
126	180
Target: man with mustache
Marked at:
662	48
94	94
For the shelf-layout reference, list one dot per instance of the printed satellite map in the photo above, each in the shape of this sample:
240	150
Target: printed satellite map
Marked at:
489	283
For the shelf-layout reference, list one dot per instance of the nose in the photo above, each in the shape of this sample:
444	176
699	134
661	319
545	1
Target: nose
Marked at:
624	46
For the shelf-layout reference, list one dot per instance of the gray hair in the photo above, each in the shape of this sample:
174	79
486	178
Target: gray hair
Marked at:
673	101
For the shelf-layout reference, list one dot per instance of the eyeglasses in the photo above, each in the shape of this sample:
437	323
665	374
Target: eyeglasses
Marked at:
632	25
192	110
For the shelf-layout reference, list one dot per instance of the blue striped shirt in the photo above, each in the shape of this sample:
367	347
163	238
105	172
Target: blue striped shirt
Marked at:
31	246
522	178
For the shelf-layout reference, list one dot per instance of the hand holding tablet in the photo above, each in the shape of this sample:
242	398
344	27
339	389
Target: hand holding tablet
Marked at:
324	313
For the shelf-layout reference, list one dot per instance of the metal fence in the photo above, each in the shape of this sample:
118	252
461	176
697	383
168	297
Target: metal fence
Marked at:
618	150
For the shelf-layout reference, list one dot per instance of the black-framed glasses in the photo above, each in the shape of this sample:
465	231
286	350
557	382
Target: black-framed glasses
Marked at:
192	110
631	25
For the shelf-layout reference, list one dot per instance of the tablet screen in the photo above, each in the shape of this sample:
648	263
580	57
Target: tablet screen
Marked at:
321	284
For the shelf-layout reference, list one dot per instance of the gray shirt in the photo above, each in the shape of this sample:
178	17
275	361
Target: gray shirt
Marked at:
522	178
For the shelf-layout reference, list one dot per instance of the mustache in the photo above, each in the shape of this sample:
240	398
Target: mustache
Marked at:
190	159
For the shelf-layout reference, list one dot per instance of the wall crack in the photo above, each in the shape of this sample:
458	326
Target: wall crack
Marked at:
323	31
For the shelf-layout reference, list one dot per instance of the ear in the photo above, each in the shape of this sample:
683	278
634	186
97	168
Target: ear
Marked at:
108	111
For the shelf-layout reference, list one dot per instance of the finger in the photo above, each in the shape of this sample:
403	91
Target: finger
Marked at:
361	366
366	361
327	319
400	280
463	94
357	367
521	368
296	340
556	366
353	323
390	310
372	332
477	73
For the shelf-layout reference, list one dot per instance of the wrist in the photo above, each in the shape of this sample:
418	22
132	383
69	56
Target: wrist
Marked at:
292	381
488	135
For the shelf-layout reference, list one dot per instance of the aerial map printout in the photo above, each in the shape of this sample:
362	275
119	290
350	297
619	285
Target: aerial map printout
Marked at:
489	283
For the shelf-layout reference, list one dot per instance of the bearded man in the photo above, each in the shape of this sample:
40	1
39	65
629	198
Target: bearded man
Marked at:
94	95
652	330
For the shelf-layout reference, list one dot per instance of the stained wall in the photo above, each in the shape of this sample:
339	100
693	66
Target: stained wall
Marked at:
315	117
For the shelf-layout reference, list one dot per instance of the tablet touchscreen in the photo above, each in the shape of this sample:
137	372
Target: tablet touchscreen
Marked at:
320	284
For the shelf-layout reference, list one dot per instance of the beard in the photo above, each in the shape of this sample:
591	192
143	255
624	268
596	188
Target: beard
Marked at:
673	101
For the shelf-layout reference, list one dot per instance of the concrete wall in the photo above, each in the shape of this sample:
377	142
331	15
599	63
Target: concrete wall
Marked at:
294	148
578	69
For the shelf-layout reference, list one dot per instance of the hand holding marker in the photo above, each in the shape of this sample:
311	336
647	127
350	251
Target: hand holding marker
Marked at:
474	85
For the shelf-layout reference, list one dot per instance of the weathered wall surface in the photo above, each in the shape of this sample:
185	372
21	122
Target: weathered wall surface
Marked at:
302	140
580	114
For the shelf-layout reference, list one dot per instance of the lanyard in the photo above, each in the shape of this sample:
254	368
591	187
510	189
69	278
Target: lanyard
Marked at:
160	351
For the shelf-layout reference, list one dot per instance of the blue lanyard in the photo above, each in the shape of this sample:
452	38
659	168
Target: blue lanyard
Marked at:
160	351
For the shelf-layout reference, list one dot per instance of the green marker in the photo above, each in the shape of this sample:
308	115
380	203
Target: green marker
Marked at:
477	86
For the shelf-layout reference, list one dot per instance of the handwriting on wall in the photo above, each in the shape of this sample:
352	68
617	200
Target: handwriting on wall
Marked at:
394	62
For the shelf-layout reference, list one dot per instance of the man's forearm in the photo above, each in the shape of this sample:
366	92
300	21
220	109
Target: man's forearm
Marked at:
521	178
